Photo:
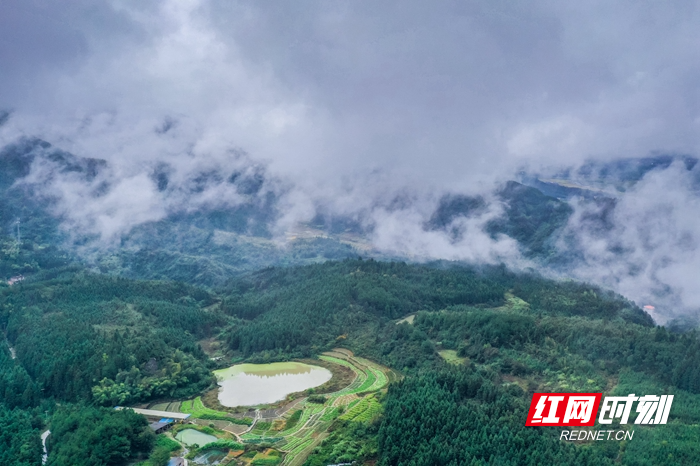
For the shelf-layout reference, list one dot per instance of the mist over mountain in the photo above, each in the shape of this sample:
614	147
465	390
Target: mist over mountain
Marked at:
446	207
621	224
216	137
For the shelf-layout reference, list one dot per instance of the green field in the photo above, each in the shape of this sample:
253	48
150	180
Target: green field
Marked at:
197	409
314	419
355	402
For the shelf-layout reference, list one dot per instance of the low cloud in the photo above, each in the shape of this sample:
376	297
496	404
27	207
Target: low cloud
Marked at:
403	233
645	244
368	111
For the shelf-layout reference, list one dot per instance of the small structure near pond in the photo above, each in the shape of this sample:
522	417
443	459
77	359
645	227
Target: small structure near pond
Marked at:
161	426
160	420
153	414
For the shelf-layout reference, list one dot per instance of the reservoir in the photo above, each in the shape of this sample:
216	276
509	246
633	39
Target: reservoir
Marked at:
254	384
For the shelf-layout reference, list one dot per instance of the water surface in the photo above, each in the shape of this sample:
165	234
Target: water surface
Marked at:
191	436
254	384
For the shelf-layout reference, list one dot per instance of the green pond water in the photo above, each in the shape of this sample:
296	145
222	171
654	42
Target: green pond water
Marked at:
254	384
191	436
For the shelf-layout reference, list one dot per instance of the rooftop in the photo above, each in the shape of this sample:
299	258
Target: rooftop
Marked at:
159	414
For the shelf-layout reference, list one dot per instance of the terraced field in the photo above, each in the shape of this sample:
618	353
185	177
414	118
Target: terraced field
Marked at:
363	411
356	402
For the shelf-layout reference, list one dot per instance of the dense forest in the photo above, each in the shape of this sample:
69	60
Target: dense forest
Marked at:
87	436
20	444
82	334
482	340
303	309
136	339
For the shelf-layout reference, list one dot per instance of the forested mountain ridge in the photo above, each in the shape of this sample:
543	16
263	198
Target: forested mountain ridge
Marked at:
327	294
492	335
137	339
471	360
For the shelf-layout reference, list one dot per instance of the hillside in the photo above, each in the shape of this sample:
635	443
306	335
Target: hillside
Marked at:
480	342
87	327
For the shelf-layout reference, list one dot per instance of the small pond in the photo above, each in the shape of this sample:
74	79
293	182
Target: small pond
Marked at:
191	436
254	384
210	457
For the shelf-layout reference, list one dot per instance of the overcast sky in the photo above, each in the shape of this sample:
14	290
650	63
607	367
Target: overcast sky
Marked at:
354	101
439	90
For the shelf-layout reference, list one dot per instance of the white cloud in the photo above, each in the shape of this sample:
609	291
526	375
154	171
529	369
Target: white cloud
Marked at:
354	105
651	245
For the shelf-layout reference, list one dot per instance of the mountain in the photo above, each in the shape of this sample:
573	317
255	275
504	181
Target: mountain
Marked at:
208	243
479	342
148	319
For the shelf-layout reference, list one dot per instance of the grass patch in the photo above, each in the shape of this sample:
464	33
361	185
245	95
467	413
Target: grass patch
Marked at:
221	445
266	461
166	443
513	303
451	357
261	427
293	419
330	414
197	409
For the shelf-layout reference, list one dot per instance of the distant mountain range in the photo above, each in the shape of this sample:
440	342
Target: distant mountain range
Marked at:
209	244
